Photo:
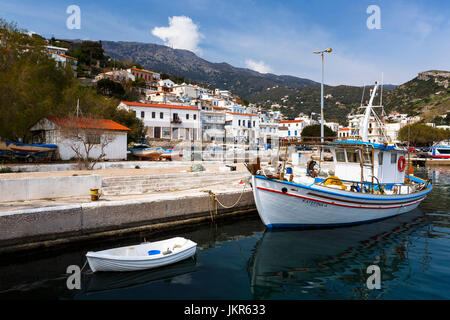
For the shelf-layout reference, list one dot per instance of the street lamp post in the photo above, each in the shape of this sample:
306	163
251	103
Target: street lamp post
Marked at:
322	134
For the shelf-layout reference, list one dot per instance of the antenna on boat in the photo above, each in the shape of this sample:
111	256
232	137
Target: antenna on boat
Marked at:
381	94
362	97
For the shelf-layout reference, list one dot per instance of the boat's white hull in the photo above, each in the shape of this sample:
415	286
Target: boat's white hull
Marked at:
147	153
103	261
283	204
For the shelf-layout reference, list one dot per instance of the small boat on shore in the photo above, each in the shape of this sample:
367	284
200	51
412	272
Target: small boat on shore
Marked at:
147	255
145	151
27	151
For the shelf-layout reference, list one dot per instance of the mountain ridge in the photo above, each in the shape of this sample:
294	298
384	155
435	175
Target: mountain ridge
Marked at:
291	94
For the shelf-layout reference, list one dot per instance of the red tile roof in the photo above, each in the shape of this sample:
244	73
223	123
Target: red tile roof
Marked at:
161	92
66	56
142	70
87	123
290	121
155	105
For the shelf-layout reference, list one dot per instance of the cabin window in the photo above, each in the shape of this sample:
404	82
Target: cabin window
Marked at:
380	158
353	155
367	157
340	155
393	158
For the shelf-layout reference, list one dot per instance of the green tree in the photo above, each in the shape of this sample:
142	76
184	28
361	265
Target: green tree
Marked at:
419	134
314	131
32	86
110	88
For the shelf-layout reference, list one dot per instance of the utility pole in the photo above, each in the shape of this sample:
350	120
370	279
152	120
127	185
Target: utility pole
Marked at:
322	134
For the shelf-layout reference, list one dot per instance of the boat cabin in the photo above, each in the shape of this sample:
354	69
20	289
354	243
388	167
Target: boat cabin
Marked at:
385	162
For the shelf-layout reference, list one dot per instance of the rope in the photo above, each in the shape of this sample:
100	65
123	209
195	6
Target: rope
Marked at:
232	206
84	265
213	198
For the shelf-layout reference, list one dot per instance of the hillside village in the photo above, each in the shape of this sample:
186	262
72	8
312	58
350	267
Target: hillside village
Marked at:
173	109
180	111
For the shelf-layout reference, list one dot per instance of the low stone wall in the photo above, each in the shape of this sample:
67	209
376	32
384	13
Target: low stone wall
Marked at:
48	187
45	167
32	228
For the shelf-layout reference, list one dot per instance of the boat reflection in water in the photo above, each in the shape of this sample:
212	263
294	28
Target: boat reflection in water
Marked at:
110	281
330	263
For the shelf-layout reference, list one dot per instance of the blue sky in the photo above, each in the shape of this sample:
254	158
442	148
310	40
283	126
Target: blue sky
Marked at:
270	36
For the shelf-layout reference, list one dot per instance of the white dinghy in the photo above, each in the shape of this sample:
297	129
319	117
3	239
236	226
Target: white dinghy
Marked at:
147	255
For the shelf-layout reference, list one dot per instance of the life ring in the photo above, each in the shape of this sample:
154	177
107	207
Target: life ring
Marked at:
401	164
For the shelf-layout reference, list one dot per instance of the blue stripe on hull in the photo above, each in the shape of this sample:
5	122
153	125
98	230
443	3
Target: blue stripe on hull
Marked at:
430	187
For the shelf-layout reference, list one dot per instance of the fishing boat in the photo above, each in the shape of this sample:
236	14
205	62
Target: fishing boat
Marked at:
145	151
147	255
440	151
30	152
369	183
172	154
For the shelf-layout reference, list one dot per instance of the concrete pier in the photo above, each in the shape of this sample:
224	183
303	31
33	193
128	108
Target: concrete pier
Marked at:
171	201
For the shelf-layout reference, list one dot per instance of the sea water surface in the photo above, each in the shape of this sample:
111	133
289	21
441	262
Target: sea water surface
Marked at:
239	259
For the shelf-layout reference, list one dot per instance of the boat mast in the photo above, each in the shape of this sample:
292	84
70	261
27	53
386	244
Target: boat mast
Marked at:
364	130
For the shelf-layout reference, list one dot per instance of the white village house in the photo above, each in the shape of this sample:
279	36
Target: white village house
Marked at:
243	127
163	121
100	133
290	128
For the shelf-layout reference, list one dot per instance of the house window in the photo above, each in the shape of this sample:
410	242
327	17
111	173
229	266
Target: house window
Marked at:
187	116
161	115
153	115
142	114
254	123
239	122
195	117
93	139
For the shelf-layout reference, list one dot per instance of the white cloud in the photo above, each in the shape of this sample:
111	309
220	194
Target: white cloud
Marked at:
259	66
182	33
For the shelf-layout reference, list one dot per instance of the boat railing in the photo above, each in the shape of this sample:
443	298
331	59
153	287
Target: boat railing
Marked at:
368	187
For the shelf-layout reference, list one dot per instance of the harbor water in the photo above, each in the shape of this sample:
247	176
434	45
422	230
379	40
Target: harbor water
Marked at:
239	259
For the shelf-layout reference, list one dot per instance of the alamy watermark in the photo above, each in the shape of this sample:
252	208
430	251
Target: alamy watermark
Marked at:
374	20
374	280
74	279
74	19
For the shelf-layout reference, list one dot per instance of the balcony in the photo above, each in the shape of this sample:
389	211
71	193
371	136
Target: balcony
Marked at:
176	120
